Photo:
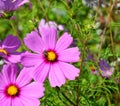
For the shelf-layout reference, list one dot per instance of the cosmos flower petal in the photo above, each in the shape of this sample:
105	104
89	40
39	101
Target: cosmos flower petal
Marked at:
69	55
49	24
1	5
104	65
24	77
56	76
63	42
49	37
2	96
11	5
70	72
106	70
44	24
5	101
28	90
14	58
30	59
41	23
9	72
19	3
6	5
41	72
34	42
107	73
16	102
11	43
30	101
2	82
61	27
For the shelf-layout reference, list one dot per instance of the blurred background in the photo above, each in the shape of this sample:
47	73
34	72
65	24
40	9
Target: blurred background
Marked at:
95	27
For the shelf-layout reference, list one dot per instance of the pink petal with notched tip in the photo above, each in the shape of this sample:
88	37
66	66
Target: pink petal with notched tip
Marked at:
56	76
28	101
17	102
34	42
69	55
34	89
63	42
49	36
30	59
69	71
9	73
24	77
41	72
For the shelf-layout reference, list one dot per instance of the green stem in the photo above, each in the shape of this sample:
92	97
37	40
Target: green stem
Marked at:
111	38
81	65
105	28
68	99
65	96
108	99
15	29
60	97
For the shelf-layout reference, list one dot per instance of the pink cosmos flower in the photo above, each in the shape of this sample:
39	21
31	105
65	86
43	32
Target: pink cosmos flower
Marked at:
11	5
18	90
50	24
51	58
8	49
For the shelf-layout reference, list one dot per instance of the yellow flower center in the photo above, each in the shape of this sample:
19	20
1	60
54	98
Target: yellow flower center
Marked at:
51	56
12	90
3	51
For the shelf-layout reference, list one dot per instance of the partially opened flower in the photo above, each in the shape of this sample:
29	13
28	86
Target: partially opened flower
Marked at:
18	90
51	24
8	49
11	5
51	58
107	71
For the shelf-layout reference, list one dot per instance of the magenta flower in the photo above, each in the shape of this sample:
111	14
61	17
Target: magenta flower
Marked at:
8	48
107	71
18	90
51	58
11	5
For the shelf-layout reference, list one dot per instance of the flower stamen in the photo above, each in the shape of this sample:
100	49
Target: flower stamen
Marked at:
50	56
3	51
12	90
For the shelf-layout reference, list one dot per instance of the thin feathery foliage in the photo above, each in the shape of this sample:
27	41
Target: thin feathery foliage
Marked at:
32	28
